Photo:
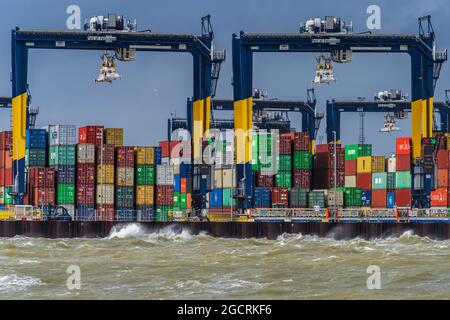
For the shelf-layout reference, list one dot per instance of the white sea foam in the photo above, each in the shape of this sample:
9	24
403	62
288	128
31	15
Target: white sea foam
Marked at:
134	230
13	283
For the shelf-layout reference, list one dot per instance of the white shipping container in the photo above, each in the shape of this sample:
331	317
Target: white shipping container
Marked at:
86	153
391	164
228	178
2	195
350	181
125	177
105	194
218	178
62	134
164	175
333	200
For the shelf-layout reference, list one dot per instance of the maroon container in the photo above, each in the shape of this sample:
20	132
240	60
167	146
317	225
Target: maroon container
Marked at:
5	140
105	154
125	156
403	198
301	141
350	167
40	177
403	162
301	179
105	212
285	145
325	160
164	195
324	178
91	134
280	197
379	198
86	194
42	196
364	181
86	173
264	180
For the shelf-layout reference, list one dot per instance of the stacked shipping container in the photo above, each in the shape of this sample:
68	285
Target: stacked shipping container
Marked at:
6	172
403	182
105	182
145	181
86	181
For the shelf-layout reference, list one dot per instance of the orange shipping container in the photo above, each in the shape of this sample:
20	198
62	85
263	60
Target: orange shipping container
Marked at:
403	145
442	178
439	198
183	185
188	201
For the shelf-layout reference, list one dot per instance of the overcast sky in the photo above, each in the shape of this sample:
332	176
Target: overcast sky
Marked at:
156	85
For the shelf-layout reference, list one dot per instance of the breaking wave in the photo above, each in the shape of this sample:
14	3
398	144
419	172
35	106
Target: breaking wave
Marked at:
13	283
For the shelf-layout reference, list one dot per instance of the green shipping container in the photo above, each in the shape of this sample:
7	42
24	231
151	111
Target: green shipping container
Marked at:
390	183
228	200
183	201
162	213
283	179
302	160
351	152
403	180
316	198
176	200
35	158
298	198
7	198
62	155
284	163
145	174
65	193
352	197
364	150
379	180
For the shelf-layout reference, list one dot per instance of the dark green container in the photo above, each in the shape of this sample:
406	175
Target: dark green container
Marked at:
352	197
62	155
162	213
283	179
284	163
125	197
145	174
7	198
65	193
390	182
302	160
364	150
298	198
35	158
316	198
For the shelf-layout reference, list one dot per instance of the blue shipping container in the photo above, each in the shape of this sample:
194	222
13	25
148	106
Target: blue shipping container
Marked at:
85	213
176	183
125	214
36	139
158	155
145	213
366	198
216	198
66	174
262	197
185	170
390	200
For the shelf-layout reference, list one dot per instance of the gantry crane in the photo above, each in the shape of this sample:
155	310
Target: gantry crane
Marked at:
426	64
124	43
6	103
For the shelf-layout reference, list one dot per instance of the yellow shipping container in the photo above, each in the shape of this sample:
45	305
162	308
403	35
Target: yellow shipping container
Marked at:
378	164
364	165
105	174
114	136
125	177
144	195
145	155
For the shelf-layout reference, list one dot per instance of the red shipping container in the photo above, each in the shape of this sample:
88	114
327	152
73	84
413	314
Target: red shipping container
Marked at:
41	177
183	185
442	178
164	195
105	212
350	167
8	176
5	159
264	180
125	156
324	178
43	196
301	179
167	148
280	197
2	158
86	194
5	140
379	198
403	162
2	177
91	134
86	173
443	159
364	181
285	145
439	197
105	154
403	146
403	198
301	141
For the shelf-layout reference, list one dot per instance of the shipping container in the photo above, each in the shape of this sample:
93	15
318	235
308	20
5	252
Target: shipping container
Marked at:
443	159
390	200
85	213
35	158
114	136
5	140
285	145
91	134
164	175
125	156
284	162
86	173
62	135
105	174
145	155
283	179
403	198
351	152
164	195
403	180
366	198
350	167
105	154
302	160
379	198
364	180
403	162
105	194
144	195
364	164
124	197
378	164
145	213
442	178
86	194
41	177
86	153
352	197
262	198
316	199
335	199
125	176
439	197
403	146
263	179
391	164
379	181
298	198
65	194
62	155
145	174
65	174
301	179
280	197
390	181
350	181
36	139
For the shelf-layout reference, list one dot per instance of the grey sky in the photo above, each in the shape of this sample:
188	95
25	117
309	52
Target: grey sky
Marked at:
61	82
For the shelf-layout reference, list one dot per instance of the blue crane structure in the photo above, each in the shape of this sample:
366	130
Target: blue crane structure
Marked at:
206	67
426	64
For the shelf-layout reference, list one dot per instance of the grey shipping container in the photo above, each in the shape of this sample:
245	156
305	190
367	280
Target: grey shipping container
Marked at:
86	153
298	198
